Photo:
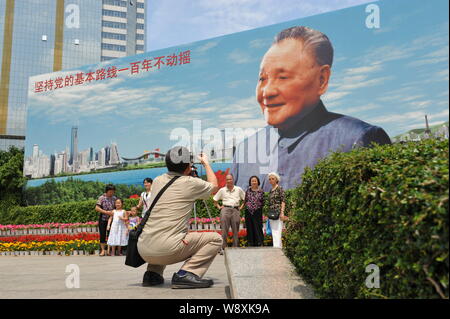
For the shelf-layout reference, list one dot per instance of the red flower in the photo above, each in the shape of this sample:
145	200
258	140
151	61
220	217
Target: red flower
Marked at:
134	196
221	177
56	237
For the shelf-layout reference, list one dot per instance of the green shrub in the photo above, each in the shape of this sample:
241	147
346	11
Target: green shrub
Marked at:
82	211
75	212
386	205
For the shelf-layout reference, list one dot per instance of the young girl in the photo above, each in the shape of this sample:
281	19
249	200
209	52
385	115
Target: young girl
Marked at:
118	234
133	218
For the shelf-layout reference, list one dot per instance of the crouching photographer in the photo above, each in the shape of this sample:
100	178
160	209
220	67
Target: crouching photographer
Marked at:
165	238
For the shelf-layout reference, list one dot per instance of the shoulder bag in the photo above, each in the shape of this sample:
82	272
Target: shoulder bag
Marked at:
273	214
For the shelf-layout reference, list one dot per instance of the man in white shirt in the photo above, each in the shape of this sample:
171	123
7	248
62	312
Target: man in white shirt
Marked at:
144	201
231	197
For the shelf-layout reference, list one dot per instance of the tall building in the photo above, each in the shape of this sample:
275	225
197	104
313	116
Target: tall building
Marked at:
114	155
107	155
102	157
43	36
73	145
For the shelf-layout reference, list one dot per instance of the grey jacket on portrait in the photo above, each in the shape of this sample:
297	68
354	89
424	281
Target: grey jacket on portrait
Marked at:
314	137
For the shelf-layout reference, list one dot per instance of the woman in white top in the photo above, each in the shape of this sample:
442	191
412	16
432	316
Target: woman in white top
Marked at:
277	202
144	201
118	234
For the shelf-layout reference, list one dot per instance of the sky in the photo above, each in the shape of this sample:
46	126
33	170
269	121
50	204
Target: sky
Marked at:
390	77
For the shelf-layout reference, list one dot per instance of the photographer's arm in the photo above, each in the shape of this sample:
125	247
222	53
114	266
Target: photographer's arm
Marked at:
210	176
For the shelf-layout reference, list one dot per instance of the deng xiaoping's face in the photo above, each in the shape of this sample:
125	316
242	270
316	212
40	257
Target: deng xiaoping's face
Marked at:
289	82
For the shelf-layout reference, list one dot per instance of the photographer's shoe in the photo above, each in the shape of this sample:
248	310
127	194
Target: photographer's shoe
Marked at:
190	280
152	279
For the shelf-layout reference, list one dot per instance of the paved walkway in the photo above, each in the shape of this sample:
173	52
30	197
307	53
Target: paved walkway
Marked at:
100	277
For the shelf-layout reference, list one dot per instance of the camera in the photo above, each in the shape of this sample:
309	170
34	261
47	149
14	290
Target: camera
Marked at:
194	172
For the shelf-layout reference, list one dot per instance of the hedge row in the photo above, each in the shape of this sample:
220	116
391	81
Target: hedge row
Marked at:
78	212
387	206
75	212
83	211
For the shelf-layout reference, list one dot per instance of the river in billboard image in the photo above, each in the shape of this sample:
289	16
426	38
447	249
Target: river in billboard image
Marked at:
131	177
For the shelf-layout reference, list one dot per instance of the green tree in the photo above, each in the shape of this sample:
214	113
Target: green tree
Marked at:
11	178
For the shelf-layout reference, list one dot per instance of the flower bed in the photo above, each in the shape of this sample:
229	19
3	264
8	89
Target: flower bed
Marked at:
61	243
58	237
66	244
47	226
61	246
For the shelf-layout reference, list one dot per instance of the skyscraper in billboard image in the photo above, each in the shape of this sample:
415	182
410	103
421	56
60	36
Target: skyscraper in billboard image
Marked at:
378	83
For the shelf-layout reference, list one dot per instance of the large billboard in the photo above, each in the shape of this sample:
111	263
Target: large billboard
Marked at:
276	98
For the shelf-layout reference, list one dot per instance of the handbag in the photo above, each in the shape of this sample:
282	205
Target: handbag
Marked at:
273	214
133	258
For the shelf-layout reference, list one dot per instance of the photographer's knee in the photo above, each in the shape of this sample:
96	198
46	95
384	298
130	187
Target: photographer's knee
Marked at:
217	239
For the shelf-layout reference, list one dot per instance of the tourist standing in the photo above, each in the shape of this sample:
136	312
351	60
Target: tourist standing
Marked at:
105	206
230	216
144	201
277	204
133	218
254	203
118	234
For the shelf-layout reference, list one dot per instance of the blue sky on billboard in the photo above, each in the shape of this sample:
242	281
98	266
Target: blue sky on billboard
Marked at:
391	77
175	22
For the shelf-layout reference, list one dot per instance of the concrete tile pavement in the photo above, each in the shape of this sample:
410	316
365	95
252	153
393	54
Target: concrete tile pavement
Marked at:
41	277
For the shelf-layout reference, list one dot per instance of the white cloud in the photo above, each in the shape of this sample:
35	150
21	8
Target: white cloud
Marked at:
237	83
427	61
202	110
356	82
237	116
396	98
363	69
240	57
420	104
206	47
401	119
260	43
336	95
109	97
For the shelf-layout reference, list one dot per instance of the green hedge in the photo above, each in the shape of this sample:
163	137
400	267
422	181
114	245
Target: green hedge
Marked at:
386	205
74	212
60	213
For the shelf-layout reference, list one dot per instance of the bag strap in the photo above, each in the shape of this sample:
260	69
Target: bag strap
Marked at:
144	198
147	214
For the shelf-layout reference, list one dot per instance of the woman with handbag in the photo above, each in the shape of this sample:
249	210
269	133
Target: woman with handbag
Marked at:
254	203
277	206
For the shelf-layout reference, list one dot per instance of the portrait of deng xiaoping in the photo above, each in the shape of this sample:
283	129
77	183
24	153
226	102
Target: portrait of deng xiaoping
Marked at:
294	74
